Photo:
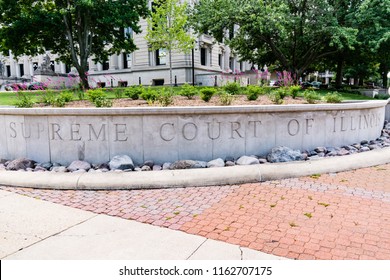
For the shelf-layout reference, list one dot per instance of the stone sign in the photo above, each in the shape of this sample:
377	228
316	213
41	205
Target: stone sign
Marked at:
61	135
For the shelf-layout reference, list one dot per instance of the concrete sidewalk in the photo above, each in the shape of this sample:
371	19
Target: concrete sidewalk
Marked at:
40	230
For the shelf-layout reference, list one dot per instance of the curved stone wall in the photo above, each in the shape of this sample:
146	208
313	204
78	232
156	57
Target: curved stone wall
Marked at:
169	134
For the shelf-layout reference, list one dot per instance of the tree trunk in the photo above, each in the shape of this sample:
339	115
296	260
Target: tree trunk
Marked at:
339	73
385	69
170	68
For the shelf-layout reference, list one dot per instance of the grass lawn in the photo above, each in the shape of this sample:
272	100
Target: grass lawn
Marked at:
10	98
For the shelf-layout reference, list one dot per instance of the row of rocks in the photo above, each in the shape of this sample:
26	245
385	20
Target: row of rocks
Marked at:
123	163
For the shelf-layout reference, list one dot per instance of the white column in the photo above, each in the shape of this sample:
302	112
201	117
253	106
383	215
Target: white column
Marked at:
113	62
62	68
120	61
99	66
26	67
12	64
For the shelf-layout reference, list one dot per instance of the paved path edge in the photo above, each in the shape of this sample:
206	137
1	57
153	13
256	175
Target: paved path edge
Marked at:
193	177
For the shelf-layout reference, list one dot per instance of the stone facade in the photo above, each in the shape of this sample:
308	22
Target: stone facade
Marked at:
143	66
171	134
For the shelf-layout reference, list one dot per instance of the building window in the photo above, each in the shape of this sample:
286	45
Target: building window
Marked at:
220	60
21	68
241	66
127	60
35	66
68	68
122	84
101	84
8	74
128	33
106	65
203	56
161	57
231	63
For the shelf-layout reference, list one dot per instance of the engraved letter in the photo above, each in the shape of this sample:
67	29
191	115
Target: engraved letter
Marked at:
97	136
24	131
120	129
40	129
290	127
195	131
309	124
254	127
55	129
238	126
343	128
75	132
209	130
165	136
12	127
352	124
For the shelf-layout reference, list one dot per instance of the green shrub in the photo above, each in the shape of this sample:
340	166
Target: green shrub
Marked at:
294	90
283	92
134	92
311	96
150	95
226	99
275	97
382	96
253	92
233	88
24	100
67	96
334	97
118	92
94	94
188	91
48	97
165	97
207	93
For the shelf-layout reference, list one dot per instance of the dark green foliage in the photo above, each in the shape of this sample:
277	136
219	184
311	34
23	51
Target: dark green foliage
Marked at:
207	93
149	95
188	91
311	96
294	90
253	92
233	88
134	92
24	100
332	97
165	97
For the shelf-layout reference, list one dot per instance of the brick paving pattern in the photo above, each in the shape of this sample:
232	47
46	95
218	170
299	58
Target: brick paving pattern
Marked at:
331	216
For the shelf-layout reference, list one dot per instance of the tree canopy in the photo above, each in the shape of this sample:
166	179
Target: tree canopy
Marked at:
73	29
293	34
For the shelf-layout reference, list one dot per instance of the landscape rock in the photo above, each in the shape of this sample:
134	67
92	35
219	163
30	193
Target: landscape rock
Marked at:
284	154
59	169
229	158
245	160
166	166
149	163
146	168
121	162
20	164
200	164
79	165
363	142
262	160
216	163
101	166
39	168
2	166
46	165
156	167
320	150
364	149
230	163
183	164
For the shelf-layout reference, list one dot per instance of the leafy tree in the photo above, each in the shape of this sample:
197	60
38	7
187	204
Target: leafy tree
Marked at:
293	34
168	28
74	29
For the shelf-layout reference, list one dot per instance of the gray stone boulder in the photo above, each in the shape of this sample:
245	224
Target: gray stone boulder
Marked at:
284	154
200	164
157	167
245	160
79	165
20	164
183	164
216	163
166	166
59	169
121	162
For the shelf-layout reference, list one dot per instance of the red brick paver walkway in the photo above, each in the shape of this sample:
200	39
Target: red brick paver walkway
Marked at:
332	216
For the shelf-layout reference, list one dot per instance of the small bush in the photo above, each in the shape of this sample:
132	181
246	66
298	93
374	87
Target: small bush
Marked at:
47	97
24	100
150	95
226	99
311	96
382	96
294	90
334	97
207	93
94	94
134	92
275	97
165	97
67	96
118	92
233	88
253	92
283	92
188	91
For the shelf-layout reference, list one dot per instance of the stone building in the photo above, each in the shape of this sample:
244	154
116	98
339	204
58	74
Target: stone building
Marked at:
209	63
